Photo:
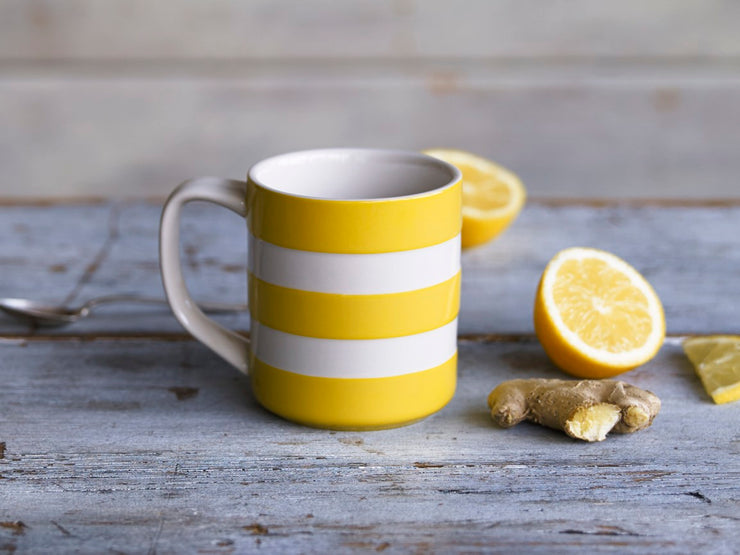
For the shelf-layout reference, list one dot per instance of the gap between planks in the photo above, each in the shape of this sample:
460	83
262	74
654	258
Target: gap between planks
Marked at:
586	61
23	338
555	202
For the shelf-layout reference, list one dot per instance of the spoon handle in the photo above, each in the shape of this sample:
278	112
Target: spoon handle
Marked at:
132	298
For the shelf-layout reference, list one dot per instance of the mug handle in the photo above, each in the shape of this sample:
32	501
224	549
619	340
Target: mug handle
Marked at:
230	194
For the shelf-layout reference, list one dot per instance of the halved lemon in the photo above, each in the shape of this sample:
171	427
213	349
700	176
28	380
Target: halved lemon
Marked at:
716	360
595	315
492	196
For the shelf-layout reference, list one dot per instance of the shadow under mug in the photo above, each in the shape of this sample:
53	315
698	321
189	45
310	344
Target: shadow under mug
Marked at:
354	283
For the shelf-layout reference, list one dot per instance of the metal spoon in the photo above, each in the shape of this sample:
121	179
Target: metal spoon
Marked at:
42	314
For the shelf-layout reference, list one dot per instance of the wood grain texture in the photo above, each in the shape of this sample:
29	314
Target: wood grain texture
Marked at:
153	444
101	455
127	98
264	29
568	131
689	254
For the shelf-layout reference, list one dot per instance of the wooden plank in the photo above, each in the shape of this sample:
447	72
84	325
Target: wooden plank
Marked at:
573	133
100	454
689	254
265	29
46	250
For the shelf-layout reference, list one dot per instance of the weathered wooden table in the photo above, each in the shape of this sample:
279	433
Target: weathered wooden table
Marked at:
122	434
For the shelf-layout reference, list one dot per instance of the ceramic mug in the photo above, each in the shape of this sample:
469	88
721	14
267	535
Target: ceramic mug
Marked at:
354	283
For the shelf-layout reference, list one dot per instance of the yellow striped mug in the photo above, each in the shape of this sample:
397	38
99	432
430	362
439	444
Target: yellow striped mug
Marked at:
354	283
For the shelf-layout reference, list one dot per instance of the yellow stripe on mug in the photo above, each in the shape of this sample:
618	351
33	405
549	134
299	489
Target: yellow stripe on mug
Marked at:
328	315
370	213
365	403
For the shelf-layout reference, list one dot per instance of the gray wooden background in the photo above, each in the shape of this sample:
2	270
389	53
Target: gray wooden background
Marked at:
583	99
127	98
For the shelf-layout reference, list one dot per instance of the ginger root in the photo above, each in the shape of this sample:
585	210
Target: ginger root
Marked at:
586	409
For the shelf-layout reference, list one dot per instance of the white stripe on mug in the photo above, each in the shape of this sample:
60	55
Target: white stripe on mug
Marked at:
354	274
354	358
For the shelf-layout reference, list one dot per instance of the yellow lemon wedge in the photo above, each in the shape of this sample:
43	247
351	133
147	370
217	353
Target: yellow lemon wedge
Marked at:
595	315
716	360
492	196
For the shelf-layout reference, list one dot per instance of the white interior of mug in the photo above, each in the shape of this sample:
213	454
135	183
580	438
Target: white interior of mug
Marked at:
354	174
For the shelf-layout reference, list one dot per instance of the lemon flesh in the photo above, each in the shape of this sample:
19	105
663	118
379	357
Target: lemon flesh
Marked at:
492	195
595	315
716	360
600	305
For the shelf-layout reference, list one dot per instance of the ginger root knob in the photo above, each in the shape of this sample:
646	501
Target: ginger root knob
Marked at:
586	409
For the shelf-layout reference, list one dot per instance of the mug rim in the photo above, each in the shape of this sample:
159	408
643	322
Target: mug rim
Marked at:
455	173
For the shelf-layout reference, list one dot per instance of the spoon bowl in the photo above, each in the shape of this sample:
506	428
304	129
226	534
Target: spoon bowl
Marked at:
38	313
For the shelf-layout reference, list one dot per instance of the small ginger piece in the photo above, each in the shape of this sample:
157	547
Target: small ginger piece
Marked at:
586	409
